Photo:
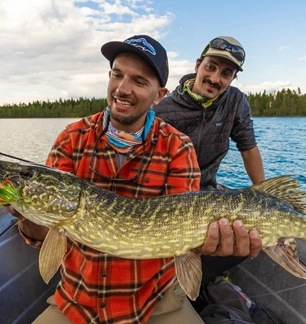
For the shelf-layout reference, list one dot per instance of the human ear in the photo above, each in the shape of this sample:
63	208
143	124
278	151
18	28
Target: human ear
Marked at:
161	93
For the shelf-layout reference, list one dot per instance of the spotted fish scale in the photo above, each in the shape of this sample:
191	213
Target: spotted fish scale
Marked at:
157	227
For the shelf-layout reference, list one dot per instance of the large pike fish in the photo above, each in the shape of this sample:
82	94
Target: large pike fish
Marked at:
145	228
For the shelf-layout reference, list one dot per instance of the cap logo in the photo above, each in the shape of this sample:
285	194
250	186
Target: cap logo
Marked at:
142	44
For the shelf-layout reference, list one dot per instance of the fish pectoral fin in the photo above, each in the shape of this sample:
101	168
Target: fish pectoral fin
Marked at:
285	253
51	253
188	269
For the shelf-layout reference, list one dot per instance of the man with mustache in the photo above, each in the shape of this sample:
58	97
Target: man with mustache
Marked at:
211	112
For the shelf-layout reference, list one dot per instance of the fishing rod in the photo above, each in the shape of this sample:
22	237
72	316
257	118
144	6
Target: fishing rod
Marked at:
32	163
22	160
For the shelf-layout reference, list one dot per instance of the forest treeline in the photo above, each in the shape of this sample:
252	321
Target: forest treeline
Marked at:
69	108
282	103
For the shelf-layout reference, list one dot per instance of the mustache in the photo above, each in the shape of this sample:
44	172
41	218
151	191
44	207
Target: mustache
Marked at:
215	85
116	95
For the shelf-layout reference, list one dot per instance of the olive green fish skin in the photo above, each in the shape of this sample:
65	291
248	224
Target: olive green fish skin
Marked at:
150	227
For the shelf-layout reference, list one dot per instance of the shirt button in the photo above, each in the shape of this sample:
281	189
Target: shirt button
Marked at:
102	305
104	274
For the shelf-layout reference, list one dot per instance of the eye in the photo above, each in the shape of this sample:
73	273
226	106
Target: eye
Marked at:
116	74
140	82
227	75
27	172
209	67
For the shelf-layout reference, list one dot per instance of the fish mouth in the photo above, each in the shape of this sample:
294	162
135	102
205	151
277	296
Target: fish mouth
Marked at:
14	175
8	193
9	178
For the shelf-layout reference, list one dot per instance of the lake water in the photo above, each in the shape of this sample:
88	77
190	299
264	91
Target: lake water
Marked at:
282	142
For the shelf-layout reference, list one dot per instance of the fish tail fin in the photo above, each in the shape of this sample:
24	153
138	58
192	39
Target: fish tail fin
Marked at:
285	254
285	188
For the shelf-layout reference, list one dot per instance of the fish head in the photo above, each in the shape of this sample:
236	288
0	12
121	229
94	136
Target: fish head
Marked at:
44	195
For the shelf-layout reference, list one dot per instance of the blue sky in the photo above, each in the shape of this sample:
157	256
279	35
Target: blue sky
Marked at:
50	49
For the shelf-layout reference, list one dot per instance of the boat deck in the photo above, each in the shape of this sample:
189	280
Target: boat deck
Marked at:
270	286
23	293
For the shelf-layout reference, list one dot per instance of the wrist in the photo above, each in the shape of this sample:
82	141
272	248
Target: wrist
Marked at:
28	239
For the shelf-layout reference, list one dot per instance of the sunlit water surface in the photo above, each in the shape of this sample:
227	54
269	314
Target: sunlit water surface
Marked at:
282	142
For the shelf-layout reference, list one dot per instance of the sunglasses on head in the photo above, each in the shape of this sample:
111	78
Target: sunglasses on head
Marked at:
223	45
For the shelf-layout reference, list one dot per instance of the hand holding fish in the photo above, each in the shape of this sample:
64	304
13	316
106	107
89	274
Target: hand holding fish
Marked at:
29	229
224	240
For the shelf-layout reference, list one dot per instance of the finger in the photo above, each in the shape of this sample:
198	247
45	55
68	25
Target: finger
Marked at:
242	240
255	243
211	241
226	244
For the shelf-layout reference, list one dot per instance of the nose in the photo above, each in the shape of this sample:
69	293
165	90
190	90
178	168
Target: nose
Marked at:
215	76
124	86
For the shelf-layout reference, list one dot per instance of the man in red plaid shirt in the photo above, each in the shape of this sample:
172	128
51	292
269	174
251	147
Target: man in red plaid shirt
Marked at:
126	149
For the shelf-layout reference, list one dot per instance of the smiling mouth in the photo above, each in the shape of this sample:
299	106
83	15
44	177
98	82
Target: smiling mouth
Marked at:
124	103
213	87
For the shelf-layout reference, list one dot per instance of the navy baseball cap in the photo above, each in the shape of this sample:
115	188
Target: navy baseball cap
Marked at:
144	46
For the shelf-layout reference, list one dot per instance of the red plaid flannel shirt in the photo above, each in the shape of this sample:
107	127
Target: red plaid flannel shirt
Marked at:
99	288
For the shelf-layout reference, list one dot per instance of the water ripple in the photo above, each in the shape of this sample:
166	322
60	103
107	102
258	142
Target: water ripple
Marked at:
282	142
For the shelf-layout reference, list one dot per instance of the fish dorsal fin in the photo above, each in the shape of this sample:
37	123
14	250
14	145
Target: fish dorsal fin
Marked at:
285	188
51	253
188	269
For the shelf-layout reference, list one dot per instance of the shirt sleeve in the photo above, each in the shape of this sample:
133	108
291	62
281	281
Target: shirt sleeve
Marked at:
183	170
60	156
243	131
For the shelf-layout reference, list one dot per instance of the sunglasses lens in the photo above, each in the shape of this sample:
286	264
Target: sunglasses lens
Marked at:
223	45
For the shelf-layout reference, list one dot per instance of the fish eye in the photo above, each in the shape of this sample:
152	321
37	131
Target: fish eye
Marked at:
27	172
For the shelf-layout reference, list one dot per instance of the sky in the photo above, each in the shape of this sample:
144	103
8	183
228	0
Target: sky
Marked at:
50	49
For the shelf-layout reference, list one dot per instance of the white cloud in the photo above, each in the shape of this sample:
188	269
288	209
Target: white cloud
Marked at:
117	8
172	54
51	49
283	48
268	86
176	70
